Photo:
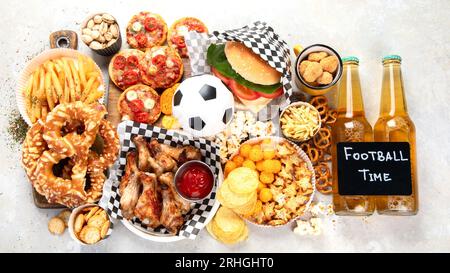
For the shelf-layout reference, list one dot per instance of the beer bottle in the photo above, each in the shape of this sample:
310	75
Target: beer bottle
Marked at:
351	126
394	125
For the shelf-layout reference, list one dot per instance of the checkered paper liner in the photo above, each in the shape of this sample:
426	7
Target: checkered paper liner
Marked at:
196	219
262	40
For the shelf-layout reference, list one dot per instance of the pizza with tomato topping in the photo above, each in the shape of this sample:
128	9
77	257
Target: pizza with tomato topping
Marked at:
162	67
146	30
139	103
175	38
125	68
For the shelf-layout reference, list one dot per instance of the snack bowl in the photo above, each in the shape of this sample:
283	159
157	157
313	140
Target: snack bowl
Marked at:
309	167
298	105
104	48
73	218
319	89
200	167
34	64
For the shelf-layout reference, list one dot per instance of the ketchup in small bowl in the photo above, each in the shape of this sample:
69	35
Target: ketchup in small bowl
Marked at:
194	180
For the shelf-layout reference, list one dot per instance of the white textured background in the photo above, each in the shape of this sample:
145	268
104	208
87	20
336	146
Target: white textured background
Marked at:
416	30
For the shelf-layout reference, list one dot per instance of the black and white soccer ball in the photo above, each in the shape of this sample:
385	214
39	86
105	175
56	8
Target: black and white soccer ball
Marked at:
203	105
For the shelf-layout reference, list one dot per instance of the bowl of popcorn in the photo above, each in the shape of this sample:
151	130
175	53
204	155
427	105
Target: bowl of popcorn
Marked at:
101	33
318	68
300	121
89	224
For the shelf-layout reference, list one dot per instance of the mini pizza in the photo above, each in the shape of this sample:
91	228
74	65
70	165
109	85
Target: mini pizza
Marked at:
163	67
181	27
146	30
139	103
125	68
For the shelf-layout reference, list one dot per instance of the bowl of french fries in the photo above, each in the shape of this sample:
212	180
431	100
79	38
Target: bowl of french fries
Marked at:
300	121
57	76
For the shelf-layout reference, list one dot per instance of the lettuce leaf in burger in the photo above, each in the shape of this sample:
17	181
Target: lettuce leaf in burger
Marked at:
247	75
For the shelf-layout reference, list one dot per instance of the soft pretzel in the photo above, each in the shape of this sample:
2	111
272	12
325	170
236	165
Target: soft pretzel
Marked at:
99	163
65	114
33	147
72	145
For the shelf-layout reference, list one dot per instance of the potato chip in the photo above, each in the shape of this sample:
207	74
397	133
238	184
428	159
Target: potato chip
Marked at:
65	215
79	222
247	209
92	211
243	180
56	226
229	238
90	235
104	229
96	221
227	220
231	199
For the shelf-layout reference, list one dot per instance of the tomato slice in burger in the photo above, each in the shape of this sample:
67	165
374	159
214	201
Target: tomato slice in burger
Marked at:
141	117
141	40
130	77
241	91
119	62
216	73
273	95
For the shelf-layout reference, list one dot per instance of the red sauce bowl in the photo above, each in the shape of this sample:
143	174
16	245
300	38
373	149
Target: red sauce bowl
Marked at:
194	180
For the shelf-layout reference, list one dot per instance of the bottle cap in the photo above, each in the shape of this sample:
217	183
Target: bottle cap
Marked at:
350	59
392	57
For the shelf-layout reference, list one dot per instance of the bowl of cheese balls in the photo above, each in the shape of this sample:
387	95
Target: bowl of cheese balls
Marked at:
318	68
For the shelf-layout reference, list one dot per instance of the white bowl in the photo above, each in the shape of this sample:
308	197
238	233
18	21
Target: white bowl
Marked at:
74	215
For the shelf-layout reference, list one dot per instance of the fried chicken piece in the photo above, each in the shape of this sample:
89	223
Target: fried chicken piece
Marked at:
180	154
167	179
143	153
130	187
171	217
148	207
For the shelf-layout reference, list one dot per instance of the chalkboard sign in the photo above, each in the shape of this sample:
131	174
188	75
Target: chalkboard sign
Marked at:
374	168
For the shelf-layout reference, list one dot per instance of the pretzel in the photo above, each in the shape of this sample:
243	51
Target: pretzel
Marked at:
324	185
321	104
90	116
322	170
322	139
313	154
98	163
331	117
43	149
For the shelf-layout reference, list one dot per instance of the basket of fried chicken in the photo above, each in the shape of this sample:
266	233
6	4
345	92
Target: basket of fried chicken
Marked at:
163	186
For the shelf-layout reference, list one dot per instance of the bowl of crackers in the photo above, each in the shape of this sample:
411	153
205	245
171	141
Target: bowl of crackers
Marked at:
300	121
317	69
89	224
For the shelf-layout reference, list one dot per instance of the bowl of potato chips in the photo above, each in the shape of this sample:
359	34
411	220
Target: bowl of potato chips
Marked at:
89	224
269	181
56	76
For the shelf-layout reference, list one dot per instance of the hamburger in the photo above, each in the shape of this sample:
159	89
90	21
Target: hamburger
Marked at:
246	74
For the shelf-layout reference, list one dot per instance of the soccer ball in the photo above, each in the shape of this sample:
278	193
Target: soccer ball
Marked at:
203	105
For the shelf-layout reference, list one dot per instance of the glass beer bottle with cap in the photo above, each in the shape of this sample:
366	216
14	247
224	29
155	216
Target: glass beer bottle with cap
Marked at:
351	126
395	125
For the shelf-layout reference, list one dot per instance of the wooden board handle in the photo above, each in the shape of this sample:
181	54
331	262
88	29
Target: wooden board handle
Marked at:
64	39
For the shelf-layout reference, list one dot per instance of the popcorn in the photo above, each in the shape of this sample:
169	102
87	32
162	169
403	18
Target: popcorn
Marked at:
243	126
312	226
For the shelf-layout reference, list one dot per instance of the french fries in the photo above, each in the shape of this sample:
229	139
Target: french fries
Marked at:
61	80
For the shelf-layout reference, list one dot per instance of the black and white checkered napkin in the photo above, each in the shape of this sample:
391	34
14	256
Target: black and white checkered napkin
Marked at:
259	37
195	219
